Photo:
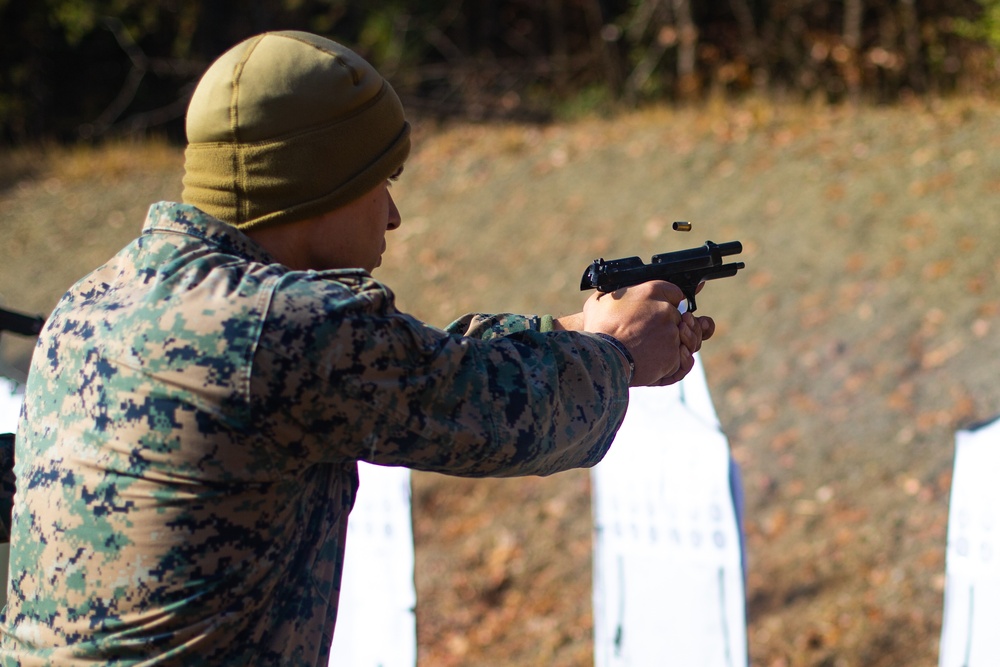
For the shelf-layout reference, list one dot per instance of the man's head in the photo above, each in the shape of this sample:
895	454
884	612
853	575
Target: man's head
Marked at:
288	126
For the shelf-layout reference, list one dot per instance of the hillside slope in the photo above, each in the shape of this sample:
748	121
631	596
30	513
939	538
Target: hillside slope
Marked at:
864	331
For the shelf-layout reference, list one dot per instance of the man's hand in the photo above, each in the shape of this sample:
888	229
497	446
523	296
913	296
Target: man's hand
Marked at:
646	319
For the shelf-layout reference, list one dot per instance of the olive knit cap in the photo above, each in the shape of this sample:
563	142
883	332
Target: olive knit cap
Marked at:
286	126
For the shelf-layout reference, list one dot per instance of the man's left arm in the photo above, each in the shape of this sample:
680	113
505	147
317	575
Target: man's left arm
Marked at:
488	326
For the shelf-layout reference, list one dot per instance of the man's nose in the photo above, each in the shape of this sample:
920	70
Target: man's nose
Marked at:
394	218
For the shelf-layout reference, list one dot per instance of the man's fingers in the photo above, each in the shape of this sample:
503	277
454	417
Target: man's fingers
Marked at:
695	330
670	292
646	319
661	290
707	327
686	364
690	332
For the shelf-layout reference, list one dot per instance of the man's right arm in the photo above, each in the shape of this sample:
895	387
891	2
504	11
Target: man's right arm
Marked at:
366	382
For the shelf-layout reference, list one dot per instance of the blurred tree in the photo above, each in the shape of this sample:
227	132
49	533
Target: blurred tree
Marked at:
83	69
986	27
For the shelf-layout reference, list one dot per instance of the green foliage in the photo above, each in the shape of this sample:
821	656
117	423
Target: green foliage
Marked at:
985	28
379	34
326	17
80	18
594	100
75	17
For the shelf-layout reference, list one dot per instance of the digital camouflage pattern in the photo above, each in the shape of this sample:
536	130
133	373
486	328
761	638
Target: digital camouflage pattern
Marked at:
186	457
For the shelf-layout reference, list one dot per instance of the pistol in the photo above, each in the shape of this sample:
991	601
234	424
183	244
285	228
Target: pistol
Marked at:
684	268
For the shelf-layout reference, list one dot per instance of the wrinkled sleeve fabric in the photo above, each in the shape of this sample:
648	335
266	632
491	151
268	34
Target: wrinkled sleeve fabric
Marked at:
486	326
363	381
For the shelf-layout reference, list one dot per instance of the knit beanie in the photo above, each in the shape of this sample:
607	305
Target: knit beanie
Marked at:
286	126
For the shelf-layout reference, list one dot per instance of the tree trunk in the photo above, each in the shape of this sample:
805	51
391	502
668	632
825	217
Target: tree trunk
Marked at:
687	50
853	11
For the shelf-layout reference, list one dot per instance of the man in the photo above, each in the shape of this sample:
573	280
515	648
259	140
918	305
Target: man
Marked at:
187	453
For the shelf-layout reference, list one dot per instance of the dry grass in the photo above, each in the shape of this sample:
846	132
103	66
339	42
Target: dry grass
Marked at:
111	162
63	211
863	332
105	163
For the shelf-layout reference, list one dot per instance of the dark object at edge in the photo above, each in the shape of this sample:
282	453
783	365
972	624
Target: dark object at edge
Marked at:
19	323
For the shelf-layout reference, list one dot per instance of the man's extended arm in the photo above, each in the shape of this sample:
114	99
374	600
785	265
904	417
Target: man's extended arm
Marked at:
377	385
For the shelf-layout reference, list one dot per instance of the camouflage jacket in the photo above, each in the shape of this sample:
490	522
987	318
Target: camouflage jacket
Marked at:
187	452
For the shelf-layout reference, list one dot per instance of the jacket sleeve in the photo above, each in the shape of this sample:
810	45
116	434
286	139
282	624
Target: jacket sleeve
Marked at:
365	382
486	327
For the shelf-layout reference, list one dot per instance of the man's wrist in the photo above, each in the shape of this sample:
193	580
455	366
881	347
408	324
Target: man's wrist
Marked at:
572	322
623	351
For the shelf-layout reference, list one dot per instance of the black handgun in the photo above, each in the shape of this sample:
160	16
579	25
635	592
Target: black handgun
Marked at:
684	268
19	323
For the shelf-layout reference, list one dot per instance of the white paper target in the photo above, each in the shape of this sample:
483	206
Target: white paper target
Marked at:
376	621
668	563
969	636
